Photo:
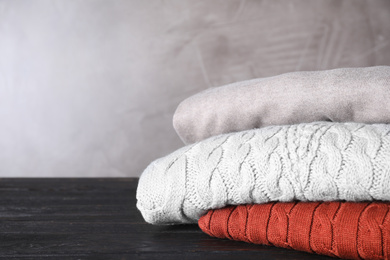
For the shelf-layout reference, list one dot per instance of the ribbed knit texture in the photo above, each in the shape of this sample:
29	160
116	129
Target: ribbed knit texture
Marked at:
318	161
348	230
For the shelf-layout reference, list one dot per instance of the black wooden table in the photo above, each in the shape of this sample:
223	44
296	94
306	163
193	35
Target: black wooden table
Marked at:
97	218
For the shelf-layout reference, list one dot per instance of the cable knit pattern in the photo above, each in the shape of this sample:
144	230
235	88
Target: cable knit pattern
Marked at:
320	161
347	230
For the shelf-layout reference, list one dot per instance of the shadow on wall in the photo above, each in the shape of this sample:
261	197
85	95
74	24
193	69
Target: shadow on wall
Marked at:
88	88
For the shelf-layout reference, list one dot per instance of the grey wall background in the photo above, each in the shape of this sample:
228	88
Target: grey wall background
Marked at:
89	87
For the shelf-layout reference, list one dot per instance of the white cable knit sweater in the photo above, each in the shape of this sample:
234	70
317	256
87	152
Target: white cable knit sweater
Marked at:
308	162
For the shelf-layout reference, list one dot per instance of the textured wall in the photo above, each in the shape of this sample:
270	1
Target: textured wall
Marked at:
88	87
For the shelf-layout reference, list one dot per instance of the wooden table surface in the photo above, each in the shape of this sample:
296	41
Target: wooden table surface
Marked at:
89	218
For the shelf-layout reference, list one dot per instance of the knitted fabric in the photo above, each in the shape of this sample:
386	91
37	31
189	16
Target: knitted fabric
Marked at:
341	95
318	161
348	230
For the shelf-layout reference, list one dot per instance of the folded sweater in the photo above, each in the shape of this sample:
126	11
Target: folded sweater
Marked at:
348	230
339	95
320	161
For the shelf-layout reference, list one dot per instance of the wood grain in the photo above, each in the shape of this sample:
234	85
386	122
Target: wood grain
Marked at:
97	218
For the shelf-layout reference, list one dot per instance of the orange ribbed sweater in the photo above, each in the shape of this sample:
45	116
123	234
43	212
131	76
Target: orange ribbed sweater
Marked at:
343	229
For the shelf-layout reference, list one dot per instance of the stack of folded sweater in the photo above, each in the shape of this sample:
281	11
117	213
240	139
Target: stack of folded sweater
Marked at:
300	160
